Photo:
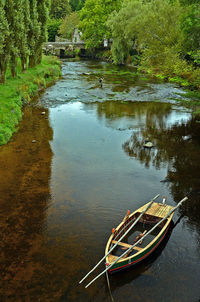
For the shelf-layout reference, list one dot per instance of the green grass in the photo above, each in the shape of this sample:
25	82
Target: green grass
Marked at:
17	91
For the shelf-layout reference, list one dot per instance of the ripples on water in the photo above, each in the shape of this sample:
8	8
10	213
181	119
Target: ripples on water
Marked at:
61	196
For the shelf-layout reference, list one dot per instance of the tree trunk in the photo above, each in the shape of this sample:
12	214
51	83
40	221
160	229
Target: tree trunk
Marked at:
31	61
23	64
39	56
13	65
2	77
3	67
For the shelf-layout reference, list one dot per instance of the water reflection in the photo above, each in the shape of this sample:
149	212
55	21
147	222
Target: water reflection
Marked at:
176	147
57	210
25	171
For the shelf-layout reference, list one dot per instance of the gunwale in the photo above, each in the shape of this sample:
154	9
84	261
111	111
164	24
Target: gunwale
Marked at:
157	210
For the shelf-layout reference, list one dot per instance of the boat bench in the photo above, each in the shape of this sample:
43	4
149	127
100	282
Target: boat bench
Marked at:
137	248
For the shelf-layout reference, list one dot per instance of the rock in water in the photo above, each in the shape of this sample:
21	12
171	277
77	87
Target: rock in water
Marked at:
148	145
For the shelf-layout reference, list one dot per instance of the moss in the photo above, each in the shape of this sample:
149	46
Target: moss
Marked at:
17	91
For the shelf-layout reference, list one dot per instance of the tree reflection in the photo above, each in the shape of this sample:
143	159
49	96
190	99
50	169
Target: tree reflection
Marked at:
176	147
133	114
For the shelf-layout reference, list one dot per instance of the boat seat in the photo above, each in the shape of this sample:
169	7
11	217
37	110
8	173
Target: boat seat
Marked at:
137	248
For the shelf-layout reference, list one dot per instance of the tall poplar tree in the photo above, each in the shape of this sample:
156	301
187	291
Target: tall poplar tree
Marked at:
4	37
43	13
33	33
24	50
13	9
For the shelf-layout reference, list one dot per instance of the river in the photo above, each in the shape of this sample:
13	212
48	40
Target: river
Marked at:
75	167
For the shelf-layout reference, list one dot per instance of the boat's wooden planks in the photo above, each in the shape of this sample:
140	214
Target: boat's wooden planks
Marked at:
137	248
112	258
157	210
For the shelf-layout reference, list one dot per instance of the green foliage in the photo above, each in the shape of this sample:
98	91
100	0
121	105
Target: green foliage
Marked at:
4	38
158	30
43	12
34	32
191	27
23	29
119	26
76	4
24	46
93	18
13	18
59	9
20	90
53	26
195	55
68	25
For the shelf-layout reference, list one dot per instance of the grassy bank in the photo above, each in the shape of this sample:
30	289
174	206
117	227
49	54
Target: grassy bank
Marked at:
20	90
182	73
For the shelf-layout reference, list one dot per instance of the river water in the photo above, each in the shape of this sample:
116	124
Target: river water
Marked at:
75	167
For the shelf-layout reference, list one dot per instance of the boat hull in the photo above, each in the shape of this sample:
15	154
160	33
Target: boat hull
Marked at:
139	257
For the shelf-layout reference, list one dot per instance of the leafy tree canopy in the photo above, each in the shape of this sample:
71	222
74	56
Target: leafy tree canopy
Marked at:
191	27
68	25
93	18
76	4
152	27
59	8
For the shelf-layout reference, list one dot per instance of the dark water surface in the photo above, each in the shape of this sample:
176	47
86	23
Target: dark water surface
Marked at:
69	175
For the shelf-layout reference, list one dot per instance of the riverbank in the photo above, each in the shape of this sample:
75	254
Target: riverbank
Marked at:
21	90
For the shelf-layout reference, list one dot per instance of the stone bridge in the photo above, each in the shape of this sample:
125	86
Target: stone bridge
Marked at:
60	48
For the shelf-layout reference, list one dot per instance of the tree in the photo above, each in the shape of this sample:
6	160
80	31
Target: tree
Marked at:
68	25
76	4
13	15
43	12
154	27
93	18
34	32
59	9
4	38
118	23
23	43
53	26
191	27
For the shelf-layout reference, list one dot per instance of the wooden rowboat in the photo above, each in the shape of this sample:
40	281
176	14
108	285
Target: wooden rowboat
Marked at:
155	213
150	222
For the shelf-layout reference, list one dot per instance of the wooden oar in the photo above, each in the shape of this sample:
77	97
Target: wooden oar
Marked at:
147	207
151	230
